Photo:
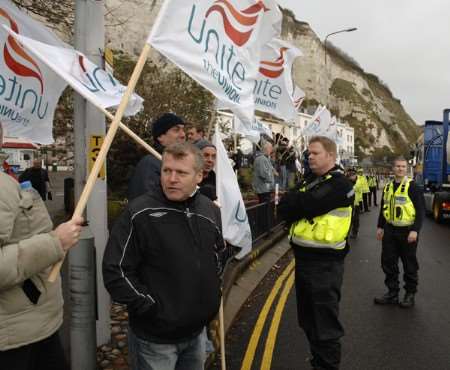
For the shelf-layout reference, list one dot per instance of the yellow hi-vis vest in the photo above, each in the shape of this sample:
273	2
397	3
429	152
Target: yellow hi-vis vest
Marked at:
358	190
365	184
398	209
325	231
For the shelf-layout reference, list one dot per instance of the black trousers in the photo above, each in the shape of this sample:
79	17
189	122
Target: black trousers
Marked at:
264	197
366	201
355	220
318	287
266	214
395	246
373	195
46	354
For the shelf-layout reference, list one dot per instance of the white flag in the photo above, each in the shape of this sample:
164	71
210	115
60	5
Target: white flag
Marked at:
216	42
29	90
274	88
320	122
339	136
235	225
332	129
89	80
298	96
251	131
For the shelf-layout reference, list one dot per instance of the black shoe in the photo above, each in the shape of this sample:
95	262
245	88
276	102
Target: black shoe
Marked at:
408	301
388	298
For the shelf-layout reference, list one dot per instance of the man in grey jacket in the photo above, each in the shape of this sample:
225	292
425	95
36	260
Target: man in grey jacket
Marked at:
263	173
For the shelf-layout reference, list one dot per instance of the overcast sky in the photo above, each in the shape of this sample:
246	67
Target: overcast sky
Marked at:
406	43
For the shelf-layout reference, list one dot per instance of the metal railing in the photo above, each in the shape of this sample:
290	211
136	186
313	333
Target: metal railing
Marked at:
263	220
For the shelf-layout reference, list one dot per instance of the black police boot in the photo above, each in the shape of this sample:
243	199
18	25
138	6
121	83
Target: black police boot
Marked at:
408	301
390	297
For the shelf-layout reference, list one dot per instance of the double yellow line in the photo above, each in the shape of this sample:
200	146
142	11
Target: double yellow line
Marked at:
288	274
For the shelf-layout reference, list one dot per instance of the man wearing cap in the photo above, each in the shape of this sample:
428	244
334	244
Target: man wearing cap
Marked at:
208	184
166	130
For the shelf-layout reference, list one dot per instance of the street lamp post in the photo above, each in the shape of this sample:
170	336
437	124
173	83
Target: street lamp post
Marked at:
334	33
325	46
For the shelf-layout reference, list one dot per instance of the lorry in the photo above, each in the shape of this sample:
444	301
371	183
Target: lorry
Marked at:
432	169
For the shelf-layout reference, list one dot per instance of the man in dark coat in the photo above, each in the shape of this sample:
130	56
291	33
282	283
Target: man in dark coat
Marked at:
167	129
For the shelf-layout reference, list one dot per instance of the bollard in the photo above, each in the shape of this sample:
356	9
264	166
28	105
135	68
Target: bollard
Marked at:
69	187
82	283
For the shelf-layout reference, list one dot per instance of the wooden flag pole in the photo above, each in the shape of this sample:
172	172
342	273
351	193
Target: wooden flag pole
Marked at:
222	336
134	136
221	318
210	124
81	205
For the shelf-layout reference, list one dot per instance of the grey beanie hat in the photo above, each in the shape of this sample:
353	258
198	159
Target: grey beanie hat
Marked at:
202	144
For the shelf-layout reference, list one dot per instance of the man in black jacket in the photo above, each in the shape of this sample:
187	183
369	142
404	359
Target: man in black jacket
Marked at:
320	214
166	130
38	177
163	260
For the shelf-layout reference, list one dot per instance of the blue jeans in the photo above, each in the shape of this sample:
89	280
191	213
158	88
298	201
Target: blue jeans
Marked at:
145	355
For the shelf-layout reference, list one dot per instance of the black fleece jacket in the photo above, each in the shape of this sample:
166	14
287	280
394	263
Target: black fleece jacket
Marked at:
163	260
321	196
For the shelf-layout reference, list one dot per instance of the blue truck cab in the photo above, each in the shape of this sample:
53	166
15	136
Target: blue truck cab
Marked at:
433	168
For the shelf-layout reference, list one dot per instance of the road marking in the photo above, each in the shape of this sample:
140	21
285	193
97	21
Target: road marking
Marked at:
273	331
254	339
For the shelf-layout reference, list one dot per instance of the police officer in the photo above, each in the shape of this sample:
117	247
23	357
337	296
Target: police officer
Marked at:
366	191
353	177
373	187
320	217
401	216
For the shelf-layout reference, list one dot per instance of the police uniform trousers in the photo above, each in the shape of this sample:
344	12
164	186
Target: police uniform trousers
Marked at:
373	195
318	288
355	220
366	202
395	246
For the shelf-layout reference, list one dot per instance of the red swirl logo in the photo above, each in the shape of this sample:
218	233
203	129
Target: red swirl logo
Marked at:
247	18
276	67
298	102
14	65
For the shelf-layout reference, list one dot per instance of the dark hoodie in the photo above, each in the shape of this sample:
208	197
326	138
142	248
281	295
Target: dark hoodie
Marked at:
163	260
146	175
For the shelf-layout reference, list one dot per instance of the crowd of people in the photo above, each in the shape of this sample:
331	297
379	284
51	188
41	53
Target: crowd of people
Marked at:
165	256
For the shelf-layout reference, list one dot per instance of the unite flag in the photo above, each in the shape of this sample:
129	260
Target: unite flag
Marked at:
274	90
235	225
29	90
216	42
89	80
320	123
251	131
